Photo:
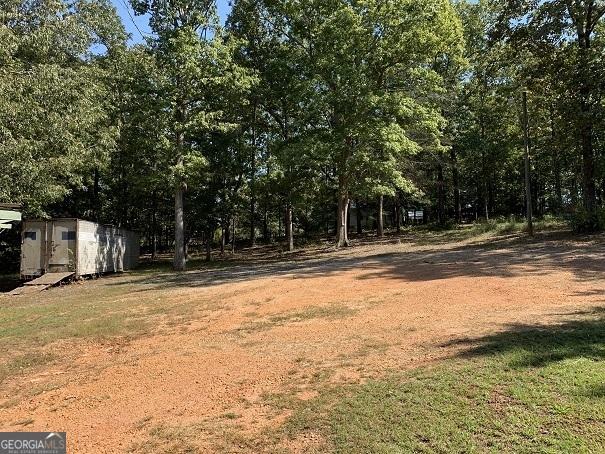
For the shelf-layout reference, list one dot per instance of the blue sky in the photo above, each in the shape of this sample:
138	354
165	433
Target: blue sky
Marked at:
123	7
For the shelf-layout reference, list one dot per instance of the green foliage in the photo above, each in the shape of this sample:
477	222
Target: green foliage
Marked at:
560	43
354	86
582	221
300	106
53	127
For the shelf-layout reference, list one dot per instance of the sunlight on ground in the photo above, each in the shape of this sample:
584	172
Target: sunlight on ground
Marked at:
478	344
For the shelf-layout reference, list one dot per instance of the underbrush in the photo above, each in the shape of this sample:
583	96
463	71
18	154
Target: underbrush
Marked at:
514	224
584	222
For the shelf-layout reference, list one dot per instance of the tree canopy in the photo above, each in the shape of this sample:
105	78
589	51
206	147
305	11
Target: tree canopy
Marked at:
295	117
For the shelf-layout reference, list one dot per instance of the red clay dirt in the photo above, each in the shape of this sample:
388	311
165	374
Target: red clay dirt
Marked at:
261	329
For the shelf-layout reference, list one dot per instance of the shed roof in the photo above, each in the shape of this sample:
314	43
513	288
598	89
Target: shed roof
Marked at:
8	216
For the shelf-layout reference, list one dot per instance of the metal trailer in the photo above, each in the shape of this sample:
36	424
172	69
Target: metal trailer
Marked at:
76	246
9	215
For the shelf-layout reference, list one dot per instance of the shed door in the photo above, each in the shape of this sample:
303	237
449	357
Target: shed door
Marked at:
62	248
32	251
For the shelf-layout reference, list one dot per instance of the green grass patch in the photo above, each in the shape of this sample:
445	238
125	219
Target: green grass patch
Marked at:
93	311
529	389
433	234
504	226
169	439
25	324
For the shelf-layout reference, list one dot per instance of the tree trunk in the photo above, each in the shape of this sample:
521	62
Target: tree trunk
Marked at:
227	230
484	196
484	171
168	242
456	183
556	166
588	179
574	189
209	239
289	228
266	238
380	223
358	218
348	217
584	25
528	193
179	231
222	238
253	184
154	227
233	236
180	260
95	196
397	214
342	237
327	208
342	231
440	195
252	224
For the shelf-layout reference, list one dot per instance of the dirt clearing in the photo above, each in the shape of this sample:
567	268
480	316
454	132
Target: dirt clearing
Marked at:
208	360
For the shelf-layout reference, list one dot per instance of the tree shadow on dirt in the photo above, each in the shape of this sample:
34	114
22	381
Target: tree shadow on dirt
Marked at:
508	256
540	345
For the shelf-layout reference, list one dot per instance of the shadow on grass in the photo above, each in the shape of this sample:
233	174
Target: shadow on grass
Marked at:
597	391
541	345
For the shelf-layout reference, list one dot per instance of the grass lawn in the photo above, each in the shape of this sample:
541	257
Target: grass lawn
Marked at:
524	390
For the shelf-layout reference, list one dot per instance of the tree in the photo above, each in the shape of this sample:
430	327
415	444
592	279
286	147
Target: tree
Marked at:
485	122
368	85
561	34
134	182
281	105
195	60
54	126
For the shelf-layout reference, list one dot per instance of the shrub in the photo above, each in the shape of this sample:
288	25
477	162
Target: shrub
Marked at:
584	222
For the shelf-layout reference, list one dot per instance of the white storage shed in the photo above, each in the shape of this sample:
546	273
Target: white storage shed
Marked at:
73	245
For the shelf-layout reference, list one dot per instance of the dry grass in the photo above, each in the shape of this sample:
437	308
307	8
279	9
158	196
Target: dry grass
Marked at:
329	312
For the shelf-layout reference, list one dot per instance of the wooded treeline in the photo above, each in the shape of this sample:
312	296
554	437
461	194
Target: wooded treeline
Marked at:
274	124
